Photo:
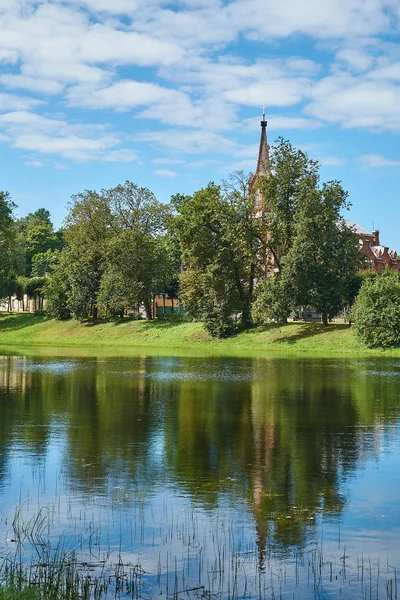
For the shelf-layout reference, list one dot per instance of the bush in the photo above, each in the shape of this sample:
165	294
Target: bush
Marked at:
218	322
273	302
377	311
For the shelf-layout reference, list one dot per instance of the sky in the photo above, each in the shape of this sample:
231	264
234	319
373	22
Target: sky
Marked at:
169	95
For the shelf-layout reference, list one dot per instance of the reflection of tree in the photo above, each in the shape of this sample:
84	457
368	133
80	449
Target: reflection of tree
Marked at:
289	435
23	416
113	414
280	435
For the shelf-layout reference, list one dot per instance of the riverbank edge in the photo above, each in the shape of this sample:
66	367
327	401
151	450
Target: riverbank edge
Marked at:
27	330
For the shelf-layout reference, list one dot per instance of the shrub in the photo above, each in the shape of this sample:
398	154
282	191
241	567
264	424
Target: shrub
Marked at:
218	322
377	311
273	302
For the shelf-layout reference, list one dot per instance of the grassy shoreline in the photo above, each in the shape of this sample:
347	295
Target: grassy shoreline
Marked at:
25	330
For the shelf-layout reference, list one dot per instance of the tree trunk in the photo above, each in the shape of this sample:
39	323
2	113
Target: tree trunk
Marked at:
147	310
95	312
9	303
163	303
324	318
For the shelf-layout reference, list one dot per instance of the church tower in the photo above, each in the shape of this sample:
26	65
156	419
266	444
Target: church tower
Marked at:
263	166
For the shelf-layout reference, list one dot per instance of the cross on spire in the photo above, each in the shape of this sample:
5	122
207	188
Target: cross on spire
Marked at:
263	167
263	113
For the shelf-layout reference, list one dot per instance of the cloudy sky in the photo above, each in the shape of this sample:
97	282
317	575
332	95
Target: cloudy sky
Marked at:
168	94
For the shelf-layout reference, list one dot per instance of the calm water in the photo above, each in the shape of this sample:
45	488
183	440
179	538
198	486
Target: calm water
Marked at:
252	477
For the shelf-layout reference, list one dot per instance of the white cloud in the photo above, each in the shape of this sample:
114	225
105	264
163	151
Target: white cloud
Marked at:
63	44
35	163
355	59
189	141
281	92
8	56
165	173
366	101
13	102
373	161
181	76
46	86
125	95
322	20
54	137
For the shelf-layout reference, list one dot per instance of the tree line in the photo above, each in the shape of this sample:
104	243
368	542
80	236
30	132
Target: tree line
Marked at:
231	260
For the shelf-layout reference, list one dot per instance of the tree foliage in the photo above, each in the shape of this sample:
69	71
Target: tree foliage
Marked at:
117	255
274	301
377	311
220	239
293	172
9	248
38	237
57	290
324	253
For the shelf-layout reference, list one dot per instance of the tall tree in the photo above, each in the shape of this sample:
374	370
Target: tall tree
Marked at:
292	171
137	255
220	239
324	253
87	230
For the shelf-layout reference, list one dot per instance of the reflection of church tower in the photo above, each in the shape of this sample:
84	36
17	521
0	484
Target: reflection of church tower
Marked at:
263	167
264	436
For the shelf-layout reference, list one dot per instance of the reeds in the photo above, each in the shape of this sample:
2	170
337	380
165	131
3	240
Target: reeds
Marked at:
175	559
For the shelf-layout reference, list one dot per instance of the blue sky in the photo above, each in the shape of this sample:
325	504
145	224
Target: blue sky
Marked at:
168	94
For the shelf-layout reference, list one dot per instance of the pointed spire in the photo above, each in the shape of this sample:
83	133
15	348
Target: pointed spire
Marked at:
263	166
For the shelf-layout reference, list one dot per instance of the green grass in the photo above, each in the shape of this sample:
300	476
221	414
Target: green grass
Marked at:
14	594
311	338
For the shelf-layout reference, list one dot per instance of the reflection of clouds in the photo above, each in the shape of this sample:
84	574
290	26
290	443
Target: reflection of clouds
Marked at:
375	373
54	367
190	376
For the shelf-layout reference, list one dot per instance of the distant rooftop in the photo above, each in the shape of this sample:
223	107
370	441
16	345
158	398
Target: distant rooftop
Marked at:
357	228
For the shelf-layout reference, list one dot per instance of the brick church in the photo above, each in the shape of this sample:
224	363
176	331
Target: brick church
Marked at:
376	257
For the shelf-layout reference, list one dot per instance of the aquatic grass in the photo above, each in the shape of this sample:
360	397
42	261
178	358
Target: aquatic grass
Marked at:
222	561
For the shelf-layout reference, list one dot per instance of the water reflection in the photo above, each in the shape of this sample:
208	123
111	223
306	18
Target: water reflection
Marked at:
278	439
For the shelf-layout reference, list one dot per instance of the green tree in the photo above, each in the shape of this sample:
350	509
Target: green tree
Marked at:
87	230
37	234
220	239
377	311
45	262
57	289
139	261
274	301
324	253
292	171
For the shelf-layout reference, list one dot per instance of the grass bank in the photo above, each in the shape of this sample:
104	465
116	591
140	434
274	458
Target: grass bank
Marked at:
29	330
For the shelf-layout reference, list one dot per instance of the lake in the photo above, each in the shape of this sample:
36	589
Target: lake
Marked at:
190	476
